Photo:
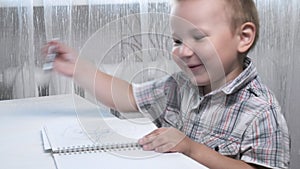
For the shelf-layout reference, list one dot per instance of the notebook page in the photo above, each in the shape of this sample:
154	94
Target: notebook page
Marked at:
105	160
46	143
68	133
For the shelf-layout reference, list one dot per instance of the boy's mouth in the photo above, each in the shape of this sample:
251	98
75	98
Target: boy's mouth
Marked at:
195	67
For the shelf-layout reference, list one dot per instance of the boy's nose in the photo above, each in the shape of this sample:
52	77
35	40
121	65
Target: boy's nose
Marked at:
185	51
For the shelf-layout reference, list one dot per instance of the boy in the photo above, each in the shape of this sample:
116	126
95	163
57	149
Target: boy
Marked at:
217	111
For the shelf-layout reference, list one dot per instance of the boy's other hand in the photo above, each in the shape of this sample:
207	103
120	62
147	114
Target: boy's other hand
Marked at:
166	140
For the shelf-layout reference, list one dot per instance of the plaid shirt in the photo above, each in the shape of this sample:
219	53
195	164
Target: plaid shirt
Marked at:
241	120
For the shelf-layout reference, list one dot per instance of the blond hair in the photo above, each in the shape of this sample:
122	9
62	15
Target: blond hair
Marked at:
240	12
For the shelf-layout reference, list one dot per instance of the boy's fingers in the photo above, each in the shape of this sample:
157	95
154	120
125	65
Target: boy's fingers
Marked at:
45	48
152	135
152	142
63	48
58	46
147	139
155	132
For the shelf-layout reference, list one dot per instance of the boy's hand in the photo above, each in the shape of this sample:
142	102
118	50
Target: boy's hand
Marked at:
65	60
166	140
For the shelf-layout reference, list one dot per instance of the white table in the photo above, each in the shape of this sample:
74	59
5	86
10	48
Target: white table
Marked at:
21	120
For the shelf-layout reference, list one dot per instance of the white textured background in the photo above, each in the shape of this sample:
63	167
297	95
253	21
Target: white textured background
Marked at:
25	27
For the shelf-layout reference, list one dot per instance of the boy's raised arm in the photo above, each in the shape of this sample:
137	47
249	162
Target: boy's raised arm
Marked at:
111	91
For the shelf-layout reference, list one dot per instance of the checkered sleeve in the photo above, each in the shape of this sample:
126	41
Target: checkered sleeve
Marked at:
268	138
151	99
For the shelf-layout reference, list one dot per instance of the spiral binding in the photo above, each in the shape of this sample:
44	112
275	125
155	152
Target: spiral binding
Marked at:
98	148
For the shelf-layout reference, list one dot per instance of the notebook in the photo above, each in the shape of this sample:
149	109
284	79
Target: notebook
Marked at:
108	143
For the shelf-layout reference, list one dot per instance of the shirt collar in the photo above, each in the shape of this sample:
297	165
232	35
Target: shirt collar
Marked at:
240	81
248	74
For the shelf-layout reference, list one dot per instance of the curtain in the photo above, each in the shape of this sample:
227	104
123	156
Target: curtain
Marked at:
28	25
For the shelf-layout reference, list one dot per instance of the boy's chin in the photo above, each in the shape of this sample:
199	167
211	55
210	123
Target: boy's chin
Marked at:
199	81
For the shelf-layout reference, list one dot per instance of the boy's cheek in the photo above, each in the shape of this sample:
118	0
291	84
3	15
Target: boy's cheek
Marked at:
175	52
177	59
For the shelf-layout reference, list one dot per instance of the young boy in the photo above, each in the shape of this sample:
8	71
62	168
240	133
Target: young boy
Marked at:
216	111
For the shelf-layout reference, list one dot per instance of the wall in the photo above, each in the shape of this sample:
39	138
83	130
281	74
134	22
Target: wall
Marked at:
278	63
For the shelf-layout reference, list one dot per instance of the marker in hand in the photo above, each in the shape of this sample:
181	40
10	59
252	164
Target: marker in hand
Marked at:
49	59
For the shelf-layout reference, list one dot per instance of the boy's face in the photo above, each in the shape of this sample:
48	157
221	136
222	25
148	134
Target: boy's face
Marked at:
204	45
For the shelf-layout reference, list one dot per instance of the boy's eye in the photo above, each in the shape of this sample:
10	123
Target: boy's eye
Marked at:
197	38
177	41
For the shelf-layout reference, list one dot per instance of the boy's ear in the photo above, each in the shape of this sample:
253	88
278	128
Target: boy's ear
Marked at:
247	37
